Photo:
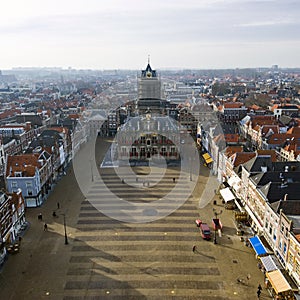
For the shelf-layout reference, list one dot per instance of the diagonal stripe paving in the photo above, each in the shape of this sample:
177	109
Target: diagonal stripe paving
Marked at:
115	260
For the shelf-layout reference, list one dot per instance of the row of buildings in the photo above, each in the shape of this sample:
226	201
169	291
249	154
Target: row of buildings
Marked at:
256	159
253	149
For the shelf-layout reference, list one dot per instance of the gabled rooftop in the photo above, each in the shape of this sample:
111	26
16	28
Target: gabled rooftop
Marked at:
275	176
289	207
262	162
274	191
240	158
230	150
25	163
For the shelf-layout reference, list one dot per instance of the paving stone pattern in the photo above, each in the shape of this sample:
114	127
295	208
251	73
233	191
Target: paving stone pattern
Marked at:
115	260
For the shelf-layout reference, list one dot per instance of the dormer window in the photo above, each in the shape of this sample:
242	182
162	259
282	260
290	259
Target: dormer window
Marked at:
18	174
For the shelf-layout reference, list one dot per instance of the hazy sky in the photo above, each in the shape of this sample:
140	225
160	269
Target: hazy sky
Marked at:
118	34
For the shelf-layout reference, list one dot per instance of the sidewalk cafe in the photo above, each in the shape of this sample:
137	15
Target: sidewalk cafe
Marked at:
278	286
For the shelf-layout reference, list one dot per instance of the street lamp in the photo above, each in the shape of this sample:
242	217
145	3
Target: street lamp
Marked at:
191	178
92	170
66	237
215	225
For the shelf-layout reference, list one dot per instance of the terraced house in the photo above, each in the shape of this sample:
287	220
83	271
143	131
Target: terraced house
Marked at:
32	173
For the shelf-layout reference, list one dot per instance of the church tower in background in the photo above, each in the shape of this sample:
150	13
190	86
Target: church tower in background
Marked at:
150	92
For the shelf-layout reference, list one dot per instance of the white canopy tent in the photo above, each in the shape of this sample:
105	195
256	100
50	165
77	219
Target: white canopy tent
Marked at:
227	194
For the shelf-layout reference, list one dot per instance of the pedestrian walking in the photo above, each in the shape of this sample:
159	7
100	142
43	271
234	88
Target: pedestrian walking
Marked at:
57	205
54	214
45	227
259	287
40	217
248	277
194	248
258	293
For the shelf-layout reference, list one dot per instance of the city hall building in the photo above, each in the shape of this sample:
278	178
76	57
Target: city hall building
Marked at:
151	133
145	137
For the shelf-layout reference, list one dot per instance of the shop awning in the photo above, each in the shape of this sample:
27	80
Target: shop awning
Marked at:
278	281
207	158
270	263
233	180
227	194
258	246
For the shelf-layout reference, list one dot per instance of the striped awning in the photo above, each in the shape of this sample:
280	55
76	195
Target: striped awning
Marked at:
270	263
278	281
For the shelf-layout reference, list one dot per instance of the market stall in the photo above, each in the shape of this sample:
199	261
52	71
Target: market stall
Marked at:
278	286
270	263
258	246
228	197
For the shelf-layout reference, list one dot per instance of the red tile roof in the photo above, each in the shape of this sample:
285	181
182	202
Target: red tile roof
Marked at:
266	128
241	158
25	163
255	107
73	116
230	150
232	138
294	131
233	105
271	153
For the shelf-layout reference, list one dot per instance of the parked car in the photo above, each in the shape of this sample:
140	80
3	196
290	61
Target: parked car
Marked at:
205	231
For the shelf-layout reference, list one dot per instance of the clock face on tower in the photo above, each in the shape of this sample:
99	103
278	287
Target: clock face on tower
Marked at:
149	74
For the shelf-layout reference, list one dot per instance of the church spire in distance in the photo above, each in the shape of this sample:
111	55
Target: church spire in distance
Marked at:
148	72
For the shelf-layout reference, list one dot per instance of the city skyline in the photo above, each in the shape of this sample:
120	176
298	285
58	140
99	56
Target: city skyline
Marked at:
214	34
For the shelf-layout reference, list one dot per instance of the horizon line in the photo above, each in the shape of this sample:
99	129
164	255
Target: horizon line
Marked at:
135	69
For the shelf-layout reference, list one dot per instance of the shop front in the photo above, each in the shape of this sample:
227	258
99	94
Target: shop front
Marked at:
278	286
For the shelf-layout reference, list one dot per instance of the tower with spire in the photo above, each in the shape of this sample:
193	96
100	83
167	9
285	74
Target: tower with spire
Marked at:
150	92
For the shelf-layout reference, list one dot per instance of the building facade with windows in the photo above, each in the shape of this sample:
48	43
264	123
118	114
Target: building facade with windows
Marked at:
32	173
12	218
142	138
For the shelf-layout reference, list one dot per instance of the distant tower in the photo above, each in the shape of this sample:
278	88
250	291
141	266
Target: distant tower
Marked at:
149	92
